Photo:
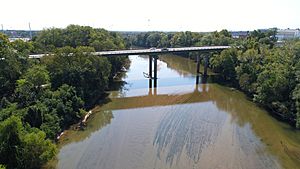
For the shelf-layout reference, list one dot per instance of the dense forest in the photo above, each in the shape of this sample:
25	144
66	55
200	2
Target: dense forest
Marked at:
41	98
269	73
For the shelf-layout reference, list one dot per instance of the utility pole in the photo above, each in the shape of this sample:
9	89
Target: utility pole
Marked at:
30	33
2	28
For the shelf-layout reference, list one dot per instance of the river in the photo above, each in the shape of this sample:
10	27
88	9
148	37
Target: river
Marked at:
179	125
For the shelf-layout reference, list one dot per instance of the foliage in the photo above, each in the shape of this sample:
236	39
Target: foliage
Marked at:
180	39
225	64
10	141
55	111
12	64
266	37
68	105
74	36
22	47
23	149
250	65
89	74
30	86
296	97
117	63
9	110
36	150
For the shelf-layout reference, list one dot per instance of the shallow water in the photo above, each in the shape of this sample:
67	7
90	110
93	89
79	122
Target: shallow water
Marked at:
178	125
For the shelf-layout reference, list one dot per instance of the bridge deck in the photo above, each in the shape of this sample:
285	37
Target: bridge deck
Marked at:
151	51
161	51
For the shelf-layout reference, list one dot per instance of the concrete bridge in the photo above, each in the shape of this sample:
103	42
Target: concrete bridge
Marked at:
153	56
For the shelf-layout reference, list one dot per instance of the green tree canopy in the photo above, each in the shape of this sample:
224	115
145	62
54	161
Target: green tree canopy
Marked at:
23	149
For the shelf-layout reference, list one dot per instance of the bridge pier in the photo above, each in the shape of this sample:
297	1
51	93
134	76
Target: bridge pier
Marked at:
197	79
205	64
198	64
150	71
155	57
154	78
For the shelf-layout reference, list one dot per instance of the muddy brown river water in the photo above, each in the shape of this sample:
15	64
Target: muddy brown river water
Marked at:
179	125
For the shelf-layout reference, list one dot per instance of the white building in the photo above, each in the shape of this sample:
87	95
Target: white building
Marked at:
285	34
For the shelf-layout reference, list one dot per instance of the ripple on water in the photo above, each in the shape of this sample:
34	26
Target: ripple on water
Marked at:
187	128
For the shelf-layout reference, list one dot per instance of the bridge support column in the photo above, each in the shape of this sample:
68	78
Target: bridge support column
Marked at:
150	71
205	64
155	57
197	79
198	64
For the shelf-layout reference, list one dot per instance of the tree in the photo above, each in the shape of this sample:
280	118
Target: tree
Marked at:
89	74
22	47
74	36
9	110
37	75
153	39
23	149
36	150
4	103
11	131
35	114
31	86
249	67
68	105
164	41
296	98
276	83
225	33
296	94
225	64
272	83
11	66
51	124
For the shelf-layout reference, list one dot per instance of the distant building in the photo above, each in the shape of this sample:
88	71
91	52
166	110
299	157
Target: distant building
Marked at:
239	34
20	33
286	34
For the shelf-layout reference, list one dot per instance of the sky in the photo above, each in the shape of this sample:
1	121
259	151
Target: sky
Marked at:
154	15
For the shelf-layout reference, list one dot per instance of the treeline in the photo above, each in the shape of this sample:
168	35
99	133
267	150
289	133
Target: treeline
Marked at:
41	98
179	39
185	39
267	73
74	35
